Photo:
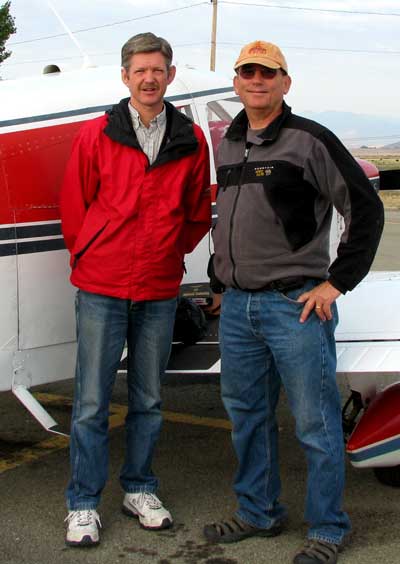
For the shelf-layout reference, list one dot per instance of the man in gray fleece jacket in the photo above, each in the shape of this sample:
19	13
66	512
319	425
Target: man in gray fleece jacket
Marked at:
279	176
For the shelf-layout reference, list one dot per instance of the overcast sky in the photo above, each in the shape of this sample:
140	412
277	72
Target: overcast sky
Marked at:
342	55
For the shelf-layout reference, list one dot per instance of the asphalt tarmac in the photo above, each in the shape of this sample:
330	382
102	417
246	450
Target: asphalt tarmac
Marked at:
195	463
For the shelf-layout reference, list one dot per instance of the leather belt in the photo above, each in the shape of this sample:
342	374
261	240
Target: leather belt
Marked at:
282	285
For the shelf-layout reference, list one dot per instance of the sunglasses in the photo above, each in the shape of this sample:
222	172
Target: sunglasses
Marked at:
249	71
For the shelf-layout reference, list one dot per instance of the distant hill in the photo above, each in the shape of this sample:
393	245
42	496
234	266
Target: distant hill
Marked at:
392	146
356	130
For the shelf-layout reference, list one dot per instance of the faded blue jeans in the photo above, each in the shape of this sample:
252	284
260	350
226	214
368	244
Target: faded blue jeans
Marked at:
103	325
263	345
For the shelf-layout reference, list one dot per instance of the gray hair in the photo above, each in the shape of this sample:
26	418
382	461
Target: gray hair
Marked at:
145	43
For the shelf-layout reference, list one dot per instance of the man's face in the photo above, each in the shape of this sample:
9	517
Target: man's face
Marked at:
261	88
147	80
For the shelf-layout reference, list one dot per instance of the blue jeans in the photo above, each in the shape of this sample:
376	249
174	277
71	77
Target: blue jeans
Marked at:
263	344
103	325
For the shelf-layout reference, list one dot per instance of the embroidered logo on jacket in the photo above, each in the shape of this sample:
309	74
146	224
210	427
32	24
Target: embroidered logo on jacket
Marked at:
263	171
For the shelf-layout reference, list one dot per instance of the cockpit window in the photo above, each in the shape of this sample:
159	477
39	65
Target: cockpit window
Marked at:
220	113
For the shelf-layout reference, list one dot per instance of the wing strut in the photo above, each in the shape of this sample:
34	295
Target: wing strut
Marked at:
37	410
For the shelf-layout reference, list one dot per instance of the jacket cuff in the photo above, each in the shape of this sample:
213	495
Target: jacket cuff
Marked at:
336	284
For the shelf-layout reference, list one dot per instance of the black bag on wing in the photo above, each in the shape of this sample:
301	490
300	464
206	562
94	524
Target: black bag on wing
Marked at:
190	322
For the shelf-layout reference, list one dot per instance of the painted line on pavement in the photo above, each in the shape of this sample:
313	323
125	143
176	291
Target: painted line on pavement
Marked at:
116	419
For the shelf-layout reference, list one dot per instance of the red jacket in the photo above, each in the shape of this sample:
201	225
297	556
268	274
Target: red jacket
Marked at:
126	224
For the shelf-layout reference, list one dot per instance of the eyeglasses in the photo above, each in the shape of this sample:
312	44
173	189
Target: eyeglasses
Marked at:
249	71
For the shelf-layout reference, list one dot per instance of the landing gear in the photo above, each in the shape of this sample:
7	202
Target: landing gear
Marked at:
350	413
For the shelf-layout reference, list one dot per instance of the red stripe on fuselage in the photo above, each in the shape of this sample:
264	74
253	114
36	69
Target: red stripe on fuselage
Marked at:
213	192
32	164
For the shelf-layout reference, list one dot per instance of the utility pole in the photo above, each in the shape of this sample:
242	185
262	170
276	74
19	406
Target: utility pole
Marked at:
213	35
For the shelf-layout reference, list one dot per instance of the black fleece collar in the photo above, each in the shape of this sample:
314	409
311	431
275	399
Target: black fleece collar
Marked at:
238	128
179	139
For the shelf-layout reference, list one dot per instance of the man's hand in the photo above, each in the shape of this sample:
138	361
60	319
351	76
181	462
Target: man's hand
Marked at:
319	298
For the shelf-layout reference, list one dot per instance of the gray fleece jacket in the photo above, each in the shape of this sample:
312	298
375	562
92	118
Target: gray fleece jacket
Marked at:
276	192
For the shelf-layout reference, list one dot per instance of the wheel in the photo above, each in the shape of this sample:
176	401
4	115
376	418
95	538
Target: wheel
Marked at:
388	475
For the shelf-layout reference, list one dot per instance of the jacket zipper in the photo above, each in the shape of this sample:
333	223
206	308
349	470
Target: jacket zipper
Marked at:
245	157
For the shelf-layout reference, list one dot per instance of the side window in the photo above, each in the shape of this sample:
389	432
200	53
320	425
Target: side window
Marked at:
219	116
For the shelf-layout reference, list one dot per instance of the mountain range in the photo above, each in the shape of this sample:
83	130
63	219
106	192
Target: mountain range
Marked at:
357	130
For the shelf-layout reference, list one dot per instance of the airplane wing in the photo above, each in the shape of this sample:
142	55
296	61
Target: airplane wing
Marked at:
367	337
369	357
368	334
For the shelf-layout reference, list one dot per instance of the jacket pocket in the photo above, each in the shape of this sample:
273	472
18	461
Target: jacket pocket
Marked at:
90	232
292	296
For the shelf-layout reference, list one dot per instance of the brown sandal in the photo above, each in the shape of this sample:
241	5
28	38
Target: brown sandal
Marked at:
315	551
235	530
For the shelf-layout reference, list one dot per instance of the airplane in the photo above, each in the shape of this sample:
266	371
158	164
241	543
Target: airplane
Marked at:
39	117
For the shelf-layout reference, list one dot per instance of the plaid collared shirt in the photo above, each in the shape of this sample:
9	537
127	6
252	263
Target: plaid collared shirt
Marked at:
150	138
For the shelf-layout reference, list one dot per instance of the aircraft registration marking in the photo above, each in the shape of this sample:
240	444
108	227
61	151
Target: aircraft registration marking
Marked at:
116	419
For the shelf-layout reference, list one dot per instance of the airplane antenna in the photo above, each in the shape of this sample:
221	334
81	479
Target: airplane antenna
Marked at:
213	35
86	60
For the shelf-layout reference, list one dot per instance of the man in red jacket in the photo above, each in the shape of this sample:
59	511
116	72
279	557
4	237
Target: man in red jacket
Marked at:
135	199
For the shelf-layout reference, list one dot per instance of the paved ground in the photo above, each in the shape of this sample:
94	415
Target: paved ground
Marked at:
196	465
388	256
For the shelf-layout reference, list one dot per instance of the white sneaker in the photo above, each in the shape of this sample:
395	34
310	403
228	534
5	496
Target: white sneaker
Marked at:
148	509
83	528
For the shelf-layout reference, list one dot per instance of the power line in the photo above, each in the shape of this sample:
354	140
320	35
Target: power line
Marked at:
279	7
326	49
334	49
330	10
56	58
197	43
109	24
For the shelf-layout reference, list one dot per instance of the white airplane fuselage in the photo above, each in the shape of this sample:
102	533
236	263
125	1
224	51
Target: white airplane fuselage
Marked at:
38	119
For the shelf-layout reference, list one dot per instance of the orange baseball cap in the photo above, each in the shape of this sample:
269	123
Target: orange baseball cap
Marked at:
262	53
